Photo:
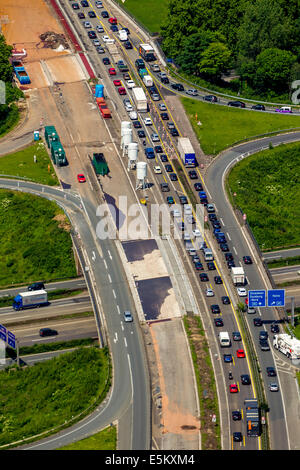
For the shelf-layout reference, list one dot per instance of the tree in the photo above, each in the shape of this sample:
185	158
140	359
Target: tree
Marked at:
5	66
273	70
215	60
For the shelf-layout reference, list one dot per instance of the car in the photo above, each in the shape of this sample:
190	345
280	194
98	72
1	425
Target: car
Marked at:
258	107
141	134
136	124
168	168
173	177
113	20
112	71
230	263
164	80
227	357
100	50
155	67
104	14
236	415
240	353
211	266
117	82
126	76
237	437
36	286
162	107
128	45
122	91
245	379
75	6
127	316
225	300
236	104
84	3
264	345
218	322
98	4
163	157
233	388
170	200
242	292
155	96
271	372
155	137
174	132
224	247
147	121
157	170
215	308
274	328
149	152
251	310
247	259
257	322
81	178
99	29
228	256
170	125
140	64
198	266
92	14
164	187
133	115
177	86
47	332
196	233
192	92
198	187
215	223
106	61
106	38
183	200
236	336
218	280
203	277
114	28
193	174
210	98
81	15
130	84
209	292
158	149
87	24
196	259
273	387
164	116
263	335
92	35
210	208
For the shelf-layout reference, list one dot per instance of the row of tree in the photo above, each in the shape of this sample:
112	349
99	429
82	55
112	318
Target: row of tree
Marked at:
258	38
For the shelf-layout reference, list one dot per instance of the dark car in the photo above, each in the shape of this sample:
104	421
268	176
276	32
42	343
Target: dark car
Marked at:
114	28
92	14
84	3
164	187
211	266
168	168
173	177
224	247
203	277
236	336
227	358
257	322
47	332
198	187
230	264
140	64
263	335
141	134
106	61
128	45
92	34
210	98
198	266
164	80
236	104
104	14
183	200
216	223
264	345
100	50
236	415
274	328
247	259
228	256
193	174
212	217
258	107
158	149
245	379
237	437
218	280
137	124
215	308
75	6
164	116
219	322
177	86
271	371
36	286
81	15
163	157
225	300
174	132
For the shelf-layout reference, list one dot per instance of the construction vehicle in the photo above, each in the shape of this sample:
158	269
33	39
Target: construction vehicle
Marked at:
288	345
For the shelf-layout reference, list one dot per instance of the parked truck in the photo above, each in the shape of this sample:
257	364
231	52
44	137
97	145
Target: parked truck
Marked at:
140	99
147	52
187	153
50	135
288	345
147	79
30	299
20	72
252	415
238	276
58	153
100	164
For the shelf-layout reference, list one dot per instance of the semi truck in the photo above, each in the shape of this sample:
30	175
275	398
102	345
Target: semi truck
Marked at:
252	415
30	299
187	153
58	153
113	50
147	52
288	345
238	276
140	99
100	164
50	135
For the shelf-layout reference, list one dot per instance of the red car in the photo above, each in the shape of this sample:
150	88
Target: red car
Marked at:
233	388
240	353
122	91
117	82
81	178
112	71
113	21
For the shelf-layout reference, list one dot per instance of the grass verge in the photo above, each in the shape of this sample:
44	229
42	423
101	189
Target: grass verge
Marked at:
222	126
12	119
103	440
21	164
207	393
151	13
292	261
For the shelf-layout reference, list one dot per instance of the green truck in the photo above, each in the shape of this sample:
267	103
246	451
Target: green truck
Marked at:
143	72
58	153
51	135
100	164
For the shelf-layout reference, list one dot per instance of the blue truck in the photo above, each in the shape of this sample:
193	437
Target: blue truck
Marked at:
21	73
30	299
187	153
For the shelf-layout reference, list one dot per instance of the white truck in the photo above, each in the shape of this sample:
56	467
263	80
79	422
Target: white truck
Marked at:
288	345
30	299
238	276
224	339
147	79
114	52
140	99
187	153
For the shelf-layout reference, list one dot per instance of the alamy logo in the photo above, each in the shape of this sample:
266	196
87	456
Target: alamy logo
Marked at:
2	92
296	94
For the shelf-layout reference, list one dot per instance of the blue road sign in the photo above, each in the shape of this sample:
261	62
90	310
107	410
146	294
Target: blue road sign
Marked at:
256	298
3	333
276	298
11	340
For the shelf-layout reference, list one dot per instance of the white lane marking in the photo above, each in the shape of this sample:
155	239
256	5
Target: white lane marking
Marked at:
118	308
109	254
222	222
228	236
116	337
105	264
114	294
234	250
109	278
125	342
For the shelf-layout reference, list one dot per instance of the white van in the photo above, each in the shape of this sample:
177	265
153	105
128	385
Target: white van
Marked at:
123	35
208	254
224	339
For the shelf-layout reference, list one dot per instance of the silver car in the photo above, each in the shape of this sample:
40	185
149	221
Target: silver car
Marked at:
273	387
127	316
87	24
192	92
155	138
100	29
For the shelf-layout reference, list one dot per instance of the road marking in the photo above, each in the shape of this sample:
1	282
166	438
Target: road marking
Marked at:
222	222
105	264
109	278
114	294
234	250
109	254
125	342
93	255
228	236
118	308
116	337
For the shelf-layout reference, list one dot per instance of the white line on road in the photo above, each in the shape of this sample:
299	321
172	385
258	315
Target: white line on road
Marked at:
222	222
228	236
125	342
109	254
114	294
118	308
105	264
234	250
109	278
116	337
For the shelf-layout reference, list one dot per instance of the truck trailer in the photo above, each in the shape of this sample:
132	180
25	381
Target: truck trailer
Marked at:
30	299
288	345
252	415
238	276
100	164
147	52
140	99
58	153
50	135
187	153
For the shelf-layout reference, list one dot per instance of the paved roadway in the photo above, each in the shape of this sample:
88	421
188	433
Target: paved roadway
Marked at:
274	255
70	284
